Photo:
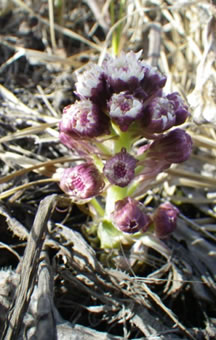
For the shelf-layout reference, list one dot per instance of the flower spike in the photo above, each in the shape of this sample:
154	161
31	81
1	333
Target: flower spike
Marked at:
122	106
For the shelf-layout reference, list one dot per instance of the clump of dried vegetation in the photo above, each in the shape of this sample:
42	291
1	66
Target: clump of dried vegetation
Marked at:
55	283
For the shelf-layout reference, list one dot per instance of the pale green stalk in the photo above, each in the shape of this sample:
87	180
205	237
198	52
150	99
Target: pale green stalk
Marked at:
115	6
98	208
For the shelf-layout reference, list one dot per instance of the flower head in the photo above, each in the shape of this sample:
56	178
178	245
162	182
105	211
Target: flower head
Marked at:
91	84
124	72
153	81
120	169
124	108
82	181
129	217
163	112
83	118
159	115
181	110
164	219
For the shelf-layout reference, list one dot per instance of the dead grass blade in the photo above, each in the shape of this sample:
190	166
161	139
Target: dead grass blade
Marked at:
29	267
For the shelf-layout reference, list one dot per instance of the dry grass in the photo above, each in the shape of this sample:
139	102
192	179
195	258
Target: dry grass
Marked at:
166	292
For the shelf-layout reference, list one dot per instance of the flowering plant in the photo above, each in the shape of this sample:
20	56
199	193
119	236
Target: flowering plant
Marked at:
118	126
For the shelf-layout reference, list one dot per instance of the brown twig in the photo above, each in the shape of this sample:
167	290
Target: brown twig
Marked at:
28	269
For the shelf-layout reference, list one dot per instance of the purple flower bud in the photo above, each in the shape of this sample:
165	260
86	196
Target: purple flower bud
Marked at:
129	217
83	118
91	84
159	115
174	147
181	110
124	109
120	169
124	72
82	181
164	219
153	80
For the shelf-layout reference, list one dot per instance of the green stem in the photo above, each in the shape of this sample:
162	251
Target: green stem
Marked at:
98	208
114	193
98	162
132	188
124	139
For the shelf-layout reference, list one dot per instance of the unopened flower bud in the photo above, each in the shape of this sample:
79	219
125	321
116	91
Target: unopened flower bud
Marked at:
124	108
83	118
129	217
82	181
164	219
120	169
174	147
